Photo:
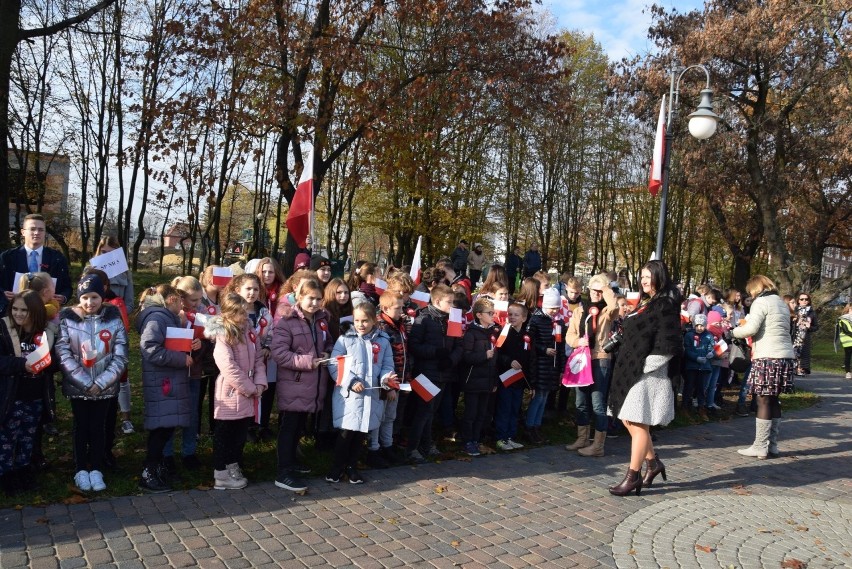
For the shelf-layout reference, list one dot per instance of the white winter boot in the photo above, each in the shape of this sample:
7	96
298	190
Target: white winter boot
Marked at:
760	447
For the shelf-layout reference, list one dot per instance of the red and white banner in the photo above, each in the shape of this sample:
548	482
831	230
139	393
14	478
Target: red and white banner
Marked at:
197	321
222	276
179	339
40	358
510	376
501	311
420	298
454	324
720	347
416	270
504	333
89	354
302	207
342	368
424	388
381	286
656	178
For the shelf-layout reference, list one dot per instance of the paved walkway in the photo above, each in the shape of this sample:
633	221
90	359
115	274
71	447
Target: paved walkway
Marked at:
542	508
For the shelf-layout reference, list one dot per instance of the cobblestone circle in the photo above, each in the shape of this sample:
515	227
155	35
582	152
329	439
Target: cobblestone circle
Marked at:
736	531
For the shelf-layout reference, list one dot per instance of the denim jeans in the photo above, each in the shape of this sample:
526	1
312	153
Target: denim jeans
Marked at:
596	394
744	388
535	411
383	434
508	410
710	393
189	435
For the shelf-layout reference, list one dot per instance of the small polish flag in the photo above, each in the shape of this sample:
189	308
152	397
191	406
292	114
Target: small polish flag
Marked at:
222	276
557	332
510	376
454	325
381	286
424	388
178	339
342	368
415	263
40	358
684	317
720	347
501	311
420	298
197	321
504	333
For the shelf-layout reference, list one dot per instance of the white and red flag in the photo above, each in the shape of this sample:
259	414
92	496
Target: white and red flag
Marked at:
222	276
179	339
416	270
381	286
501	311
302	207
504	333
39	359
454	324
420	298
510	376
424	388
656	178
342	368
197	321
720	347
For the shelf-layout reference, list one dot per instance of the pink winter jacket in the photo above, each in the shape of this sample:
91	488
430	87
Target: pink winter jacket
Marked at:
241	371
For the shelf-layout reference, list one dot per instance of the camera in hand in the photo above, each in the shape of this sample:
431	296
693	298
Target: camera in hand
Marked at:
612	344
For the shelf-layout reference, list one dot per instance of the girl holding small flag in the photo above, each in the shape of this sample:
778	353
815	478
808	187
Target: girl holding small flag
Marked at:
548	333
249	287
241	382
92	349
301	342
24	391
514	355
480	362
165	380
362	362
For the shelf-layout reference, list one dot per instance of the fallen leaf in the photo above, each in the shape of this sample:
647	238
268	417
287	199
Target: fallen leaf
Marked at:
817	541
465	459
802	528
793	564
791	522
704	548
764	530
203	487
43	521
631	552
815	513
455	543
440	489
364	535
741	490
75	499
19	507
713	523
393	521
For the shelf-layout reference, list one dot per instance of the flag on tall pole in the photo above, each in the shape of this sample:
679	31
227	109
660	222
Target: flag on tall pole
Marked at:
415	264
656	180
302	208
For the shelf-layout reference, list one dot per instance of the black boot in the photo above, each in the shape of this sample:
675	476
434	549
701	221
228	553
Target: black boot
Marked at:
632	481
652	469
9	483
150	481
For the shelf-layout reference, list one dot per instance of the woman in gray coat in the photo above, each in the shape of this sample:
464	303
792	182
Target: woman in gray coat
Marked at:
165	380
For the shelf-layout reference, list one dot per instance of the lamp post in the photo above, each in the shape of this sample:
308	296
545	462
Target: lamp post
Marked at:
702	125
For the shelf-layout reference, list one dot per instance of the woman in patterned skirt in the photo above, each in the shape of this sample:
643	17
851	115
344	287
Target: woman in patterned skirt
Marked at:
641	392
772	362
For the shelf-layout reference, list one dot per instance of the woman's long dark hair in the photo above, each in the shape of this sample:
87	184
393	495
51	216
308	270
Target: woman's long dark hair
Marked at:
660	280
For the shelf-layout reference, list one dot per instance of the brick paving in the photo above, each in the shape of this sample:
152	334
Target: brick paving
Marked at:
541	507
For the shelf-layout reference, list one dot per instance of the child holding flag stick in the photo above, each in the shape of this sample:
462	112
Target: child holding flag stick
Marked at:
301	342
514	364
241	381
479	353
356	403
548	333
22	332
165	380
92	349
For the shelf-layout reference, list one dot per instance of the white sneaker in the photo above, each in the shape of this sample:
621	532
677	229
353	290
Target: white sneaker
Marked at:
505	445
127	427
515	444
97	480
713	406
81	479
849	375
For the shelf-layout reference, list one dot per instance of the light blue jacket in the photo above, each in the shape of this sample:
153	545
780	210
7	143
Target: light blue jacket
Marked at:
360	411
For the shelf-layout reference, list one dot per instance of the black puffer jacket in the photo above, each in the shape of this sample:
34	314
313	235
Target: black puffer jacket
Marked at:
548	368
478	372
435	354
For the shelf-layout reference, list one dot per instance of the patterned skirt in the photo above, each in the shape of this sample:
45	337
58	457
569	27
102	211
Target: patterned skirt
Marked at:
771	376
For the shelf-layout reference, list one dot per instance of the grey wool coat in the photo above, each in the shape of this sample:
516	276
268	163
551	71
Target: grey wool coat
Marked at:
165	377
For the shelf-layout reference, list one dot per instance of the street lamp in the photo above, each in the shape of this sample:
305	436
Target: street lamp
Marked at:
702	125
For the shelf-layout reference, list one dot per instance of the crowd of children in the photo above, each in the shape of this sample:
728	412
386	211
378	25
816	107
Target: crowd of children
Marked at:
382	361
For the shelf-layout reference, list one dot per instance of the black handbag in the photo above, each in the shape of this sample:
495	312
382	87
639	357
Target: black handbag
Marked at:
739	356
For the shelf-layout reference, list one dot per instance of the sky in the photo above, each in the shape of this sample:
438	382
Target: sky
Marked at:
620	26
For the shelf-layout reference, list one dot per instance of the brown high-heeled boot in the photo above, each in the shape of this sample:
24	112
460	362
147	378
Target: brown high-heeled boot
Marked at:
652	469
632	481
